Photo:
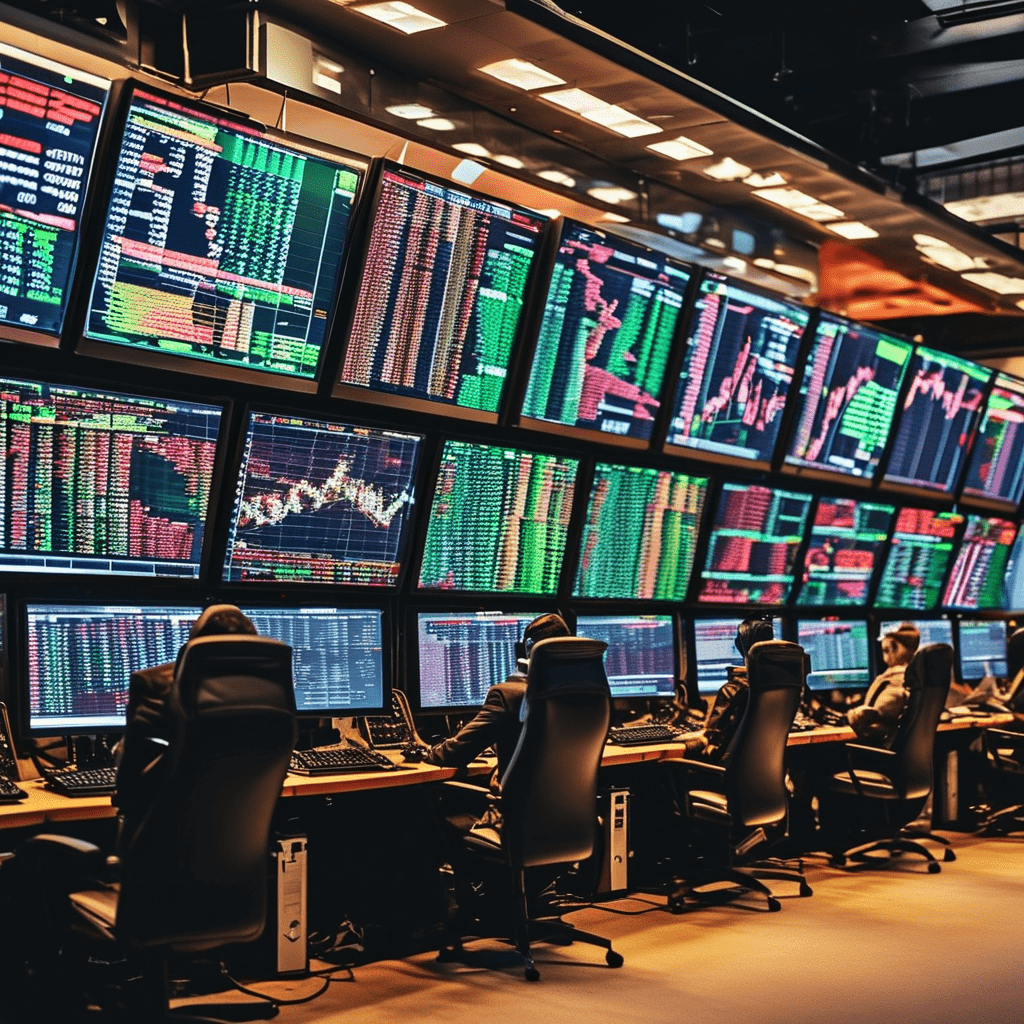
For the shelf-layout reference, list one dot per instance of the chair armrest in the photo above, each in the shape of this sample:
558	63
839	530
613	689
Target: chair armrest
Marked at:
69	857
860	757
712	772
996	741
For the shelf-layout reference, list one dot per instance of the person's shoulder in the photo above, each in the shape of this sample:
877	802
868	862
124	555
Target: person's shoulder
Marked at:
510	689
158	678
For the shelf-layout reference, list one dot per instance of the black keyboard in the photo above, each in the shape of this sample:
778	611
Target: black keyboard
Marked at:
332	760
82	781
10	790
634	735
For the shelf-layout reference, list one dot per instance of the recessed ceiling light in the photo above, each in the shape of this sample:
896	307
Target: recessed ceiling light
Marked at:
472	149
680	148
614	218
509	161
997	282
438	124
853	230
521	73
1005	206
727	169
410	111
467	171
400	15
558	177
611	194
939	251
616	119
764	180
735	263
800	203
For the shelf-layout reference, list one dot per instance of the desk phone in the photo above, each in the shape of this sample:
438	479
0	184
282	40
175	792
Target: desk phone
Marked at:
392	731
9	774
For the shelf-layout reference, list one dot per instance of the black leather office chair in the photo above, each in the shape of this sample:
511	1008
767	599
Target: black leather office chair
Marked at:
895	784
1004	755
737	808
194	865
548	795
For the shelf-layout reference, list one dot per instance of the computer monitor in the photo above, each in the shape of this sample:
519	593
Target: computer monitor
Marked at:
223	244
753	545
995	470
937	422
461	655
321	502
78	660
1013	587
338	662
50	117
740	357
839	652
978	577
640	533
499	520
714	651
610	316
982	649
933	631
847	538
848	395
101	482
641	658
919	555
440	303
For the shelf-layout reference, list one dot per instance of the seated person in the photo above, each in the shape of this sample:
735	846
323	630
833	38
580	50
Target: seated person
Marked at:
875	720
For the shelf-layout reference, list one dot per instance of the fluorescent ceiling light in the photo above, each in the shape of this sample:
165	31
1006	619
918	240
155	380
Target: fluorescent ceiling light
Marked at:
727	169
521	73
787	270
614	218
438	124
400	15
467	171
853	230
1005	206
472	149
410	111
509	161
734	263
558	177
616	119
998	283
611	193
680	148
938	251
800	203
764	180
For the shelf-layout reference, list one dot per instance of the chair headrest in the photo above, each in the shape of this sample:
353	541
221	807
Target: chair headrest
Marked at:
566	665
776	664
931	666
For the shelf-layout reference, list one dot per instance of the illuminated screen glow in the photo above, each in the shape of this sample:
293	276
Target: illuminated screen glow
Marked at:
978	576
715	650
982	649
641	658
839	653
933	631
922	546
996	469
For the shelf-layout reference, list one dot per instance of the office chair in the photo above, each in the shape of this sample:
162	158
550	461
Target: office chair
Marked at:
548	793
737	807
193	872
898	780
1004	756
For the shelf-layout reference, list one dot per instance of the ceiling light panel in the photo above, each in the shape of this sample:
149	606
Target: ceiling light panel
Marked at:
410	111
472	149
853	230
521	74
400	15
680	148
616	119
727	169
800	203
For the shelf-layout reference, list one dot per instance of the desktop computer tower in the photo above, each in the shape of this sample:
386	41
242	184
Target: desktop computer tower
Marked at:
286	917
613	808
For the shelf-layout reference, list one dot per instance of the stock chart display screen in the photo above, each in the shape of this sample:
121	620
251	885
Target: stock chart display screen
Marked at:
921	549
641	658
499	520
49	119
737	371
978	576
641	533
996	470
101	482
982	649
846	542
610	315
321	502
223	242
937	423
753	545
848	396
839	653
441	297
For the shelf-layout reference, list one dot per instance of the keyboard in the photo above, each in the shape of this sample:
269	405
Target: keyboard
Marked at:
633	735
332	760
82	781
10	790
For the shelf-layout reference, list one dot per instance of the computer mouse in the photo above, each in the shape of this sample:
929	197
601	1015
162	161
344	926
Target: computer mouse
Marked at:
414	752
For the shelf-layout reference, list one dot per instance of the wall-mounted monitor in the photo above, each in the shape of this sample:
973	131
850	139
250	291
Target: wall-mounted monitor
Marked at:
847	538
461	655
640	534
610	315
978	577
49	120
848	396
753	545
641	658
933	631
223	244
78	660
981	649
1013	589
919	555
441	297
321	502
839	651
740	357
499	520
339	667
937	423
995	471
715	650
102	482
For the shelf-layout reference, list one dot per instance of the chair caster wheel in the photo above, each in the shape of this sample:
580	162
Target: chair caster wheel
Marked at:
613	959
531	974
805	889
934	868
774	904
948	855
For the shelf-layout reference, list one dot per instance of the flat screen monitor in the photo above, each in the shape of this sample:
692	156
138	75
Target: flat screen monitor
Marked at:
919	555
102	482
461	655
223	243
839	652
715	650
321	502
753	545
848	395
982	649
640	534
338	663
50	116
847	538
995	470
978	577
499	520
441	298
740	357
78	661
611	313
641	658
936	425
933	631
